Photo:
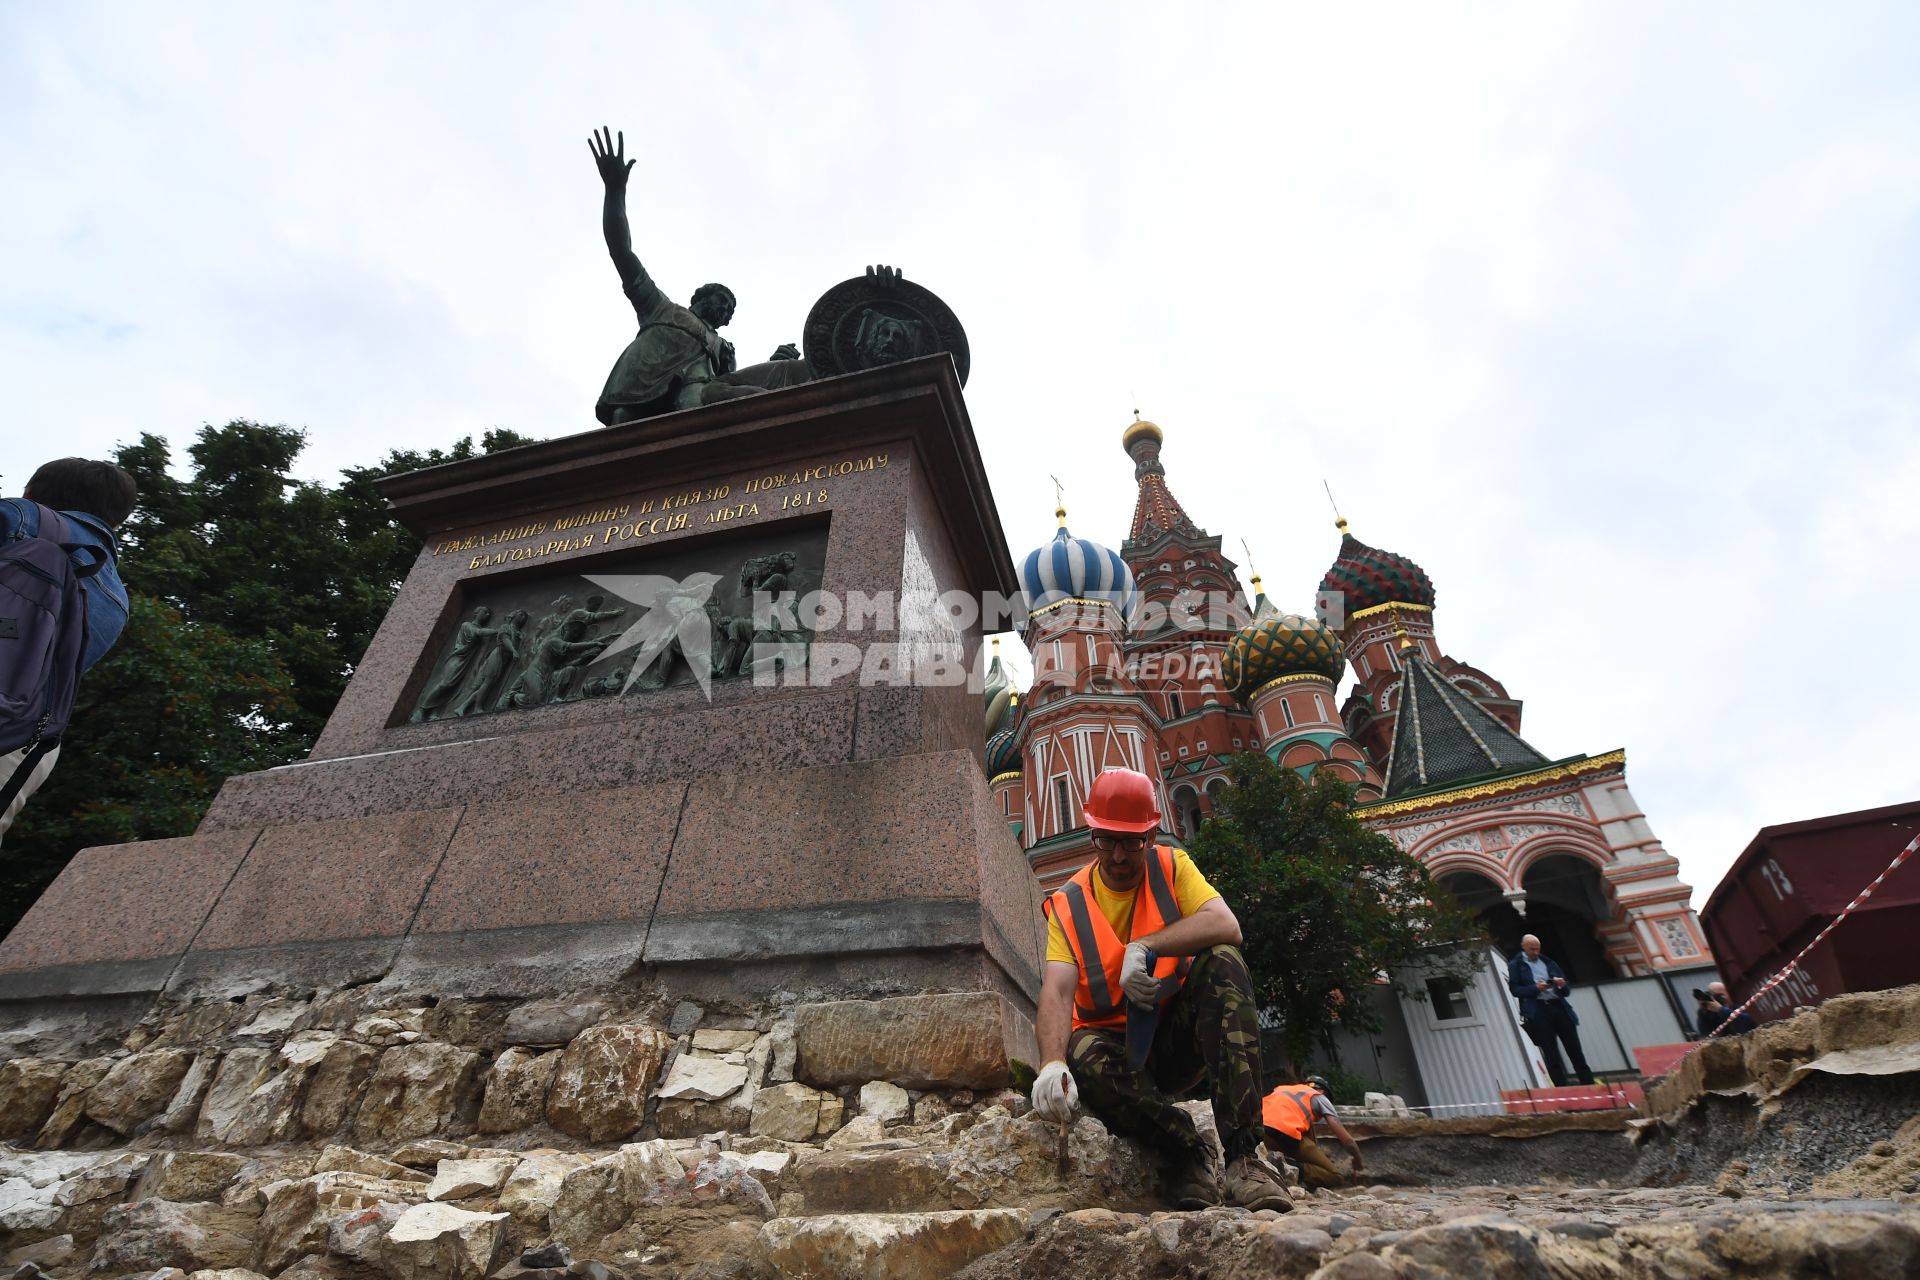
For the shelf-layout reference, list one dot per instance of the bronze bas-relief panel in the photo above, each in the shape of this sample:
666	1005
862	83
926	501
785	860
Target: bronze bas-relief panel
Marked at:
626	624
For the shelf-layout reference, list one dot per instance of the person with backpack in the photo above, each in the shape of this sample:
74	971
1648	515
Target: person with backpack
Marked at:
62	606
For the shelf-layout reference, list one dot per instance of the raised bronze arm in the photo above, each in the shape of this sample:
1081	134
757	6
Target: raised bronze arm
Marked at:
609	157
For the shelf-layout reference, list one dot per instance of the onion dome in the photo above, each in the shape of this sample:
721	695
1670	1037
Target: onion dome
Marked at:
1279	644
1003	753
1070	568
1367	576
999	693
1140	429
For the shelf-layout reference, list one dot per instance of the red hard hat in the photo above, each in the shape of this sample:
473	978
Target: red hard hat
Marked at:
1122	800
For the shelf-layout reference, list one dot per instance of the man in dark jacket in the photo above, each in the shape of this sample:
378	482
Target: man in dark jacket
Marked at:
95	497
1714	1007
1545	1014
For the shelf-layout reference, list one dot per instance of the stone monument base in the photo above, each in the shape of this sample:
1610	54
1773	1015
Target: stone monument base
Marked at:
817	836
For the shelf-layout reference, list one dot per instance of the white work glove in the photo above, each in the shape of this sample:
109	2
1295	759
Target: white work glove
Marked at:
1054	1093
1136	975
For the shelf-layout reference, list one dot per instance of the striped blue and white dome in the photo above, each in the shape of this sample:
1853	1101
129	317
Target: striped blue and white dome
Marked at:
1069	568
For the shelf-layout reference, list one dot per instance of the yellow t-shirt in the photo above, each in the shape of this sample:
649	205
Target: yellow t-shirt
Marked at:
1190	890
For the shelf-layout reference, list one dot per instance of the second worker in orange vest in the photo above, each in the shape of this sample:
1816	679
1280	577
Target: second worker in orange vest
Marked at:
1141	925
1290	1112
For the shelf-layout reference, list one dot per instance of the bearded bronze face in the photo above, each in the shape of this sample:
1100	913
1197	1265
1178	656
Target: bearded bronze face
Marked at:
883	339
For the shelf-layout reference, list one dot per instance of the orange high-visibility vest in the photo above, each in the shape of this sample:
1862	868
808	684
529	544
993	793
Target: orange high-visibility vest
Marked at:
1099	1001
1289	1109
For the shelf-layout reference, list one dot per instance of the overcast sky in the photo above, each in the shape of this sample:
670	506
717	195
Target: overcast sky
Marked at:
1607	316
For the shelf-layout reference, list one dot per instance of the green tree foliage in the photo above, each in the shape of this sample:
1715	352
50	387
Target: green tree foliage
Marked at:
253	596
1327	905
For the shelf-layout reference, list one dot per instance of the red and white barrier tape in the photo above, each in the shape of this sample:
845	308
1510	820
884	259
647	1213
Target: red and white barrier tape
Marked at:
1818	938
1517	1106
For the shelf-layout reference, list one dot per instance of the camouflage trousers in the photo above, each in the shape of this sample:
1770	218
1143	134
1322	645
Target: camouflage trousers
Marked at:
1209	1034
1316	1169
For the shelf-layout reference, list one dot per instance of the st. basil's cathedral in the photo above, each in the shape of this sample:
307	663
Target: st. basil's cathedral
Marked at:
1150	658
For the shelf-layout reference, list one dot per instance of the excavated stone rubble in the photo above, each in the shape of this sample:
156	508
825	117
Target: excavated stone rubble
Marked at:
351	1136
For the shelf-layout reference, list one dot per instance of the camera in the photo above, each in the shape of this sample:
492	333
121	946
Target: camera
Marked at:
1706	996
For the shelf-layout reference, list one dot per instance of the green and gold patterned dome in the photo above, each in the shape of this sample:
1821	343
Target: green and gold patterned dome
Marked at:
1279	644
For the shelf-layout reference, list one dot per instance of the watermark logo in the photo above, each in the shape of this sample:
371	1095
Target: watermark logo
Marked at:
676	617
876	639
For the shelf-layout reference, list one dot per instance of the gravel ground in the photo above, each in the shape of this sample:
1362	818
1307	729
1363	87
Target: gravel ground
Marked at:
1827	1124
1571	1159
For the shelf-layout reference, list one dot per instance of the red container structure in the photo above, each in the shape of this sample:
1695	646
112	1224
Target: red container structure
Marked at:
1791	882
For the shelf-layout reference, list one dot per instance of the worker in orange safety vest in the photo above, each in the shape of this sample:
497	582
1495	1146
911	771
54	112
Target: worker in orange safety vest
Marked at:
1141	948
1289	1113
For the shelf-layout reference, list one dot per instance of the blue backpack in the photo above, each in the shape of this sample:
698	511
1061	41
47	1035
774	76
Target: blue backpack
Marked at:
43	627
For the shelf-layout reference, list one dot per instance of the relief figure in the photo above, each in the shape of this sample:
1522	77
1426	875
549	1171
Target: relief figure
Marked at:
453	668
508	642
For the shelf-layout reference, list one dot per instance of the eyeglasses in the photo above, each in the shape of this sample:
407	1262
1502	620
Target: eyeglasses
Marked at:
1132	844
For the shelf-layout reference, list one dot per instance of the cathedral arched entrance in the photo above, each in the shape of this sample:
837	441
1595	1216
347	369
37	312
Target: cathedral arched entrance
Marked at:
1483	897
1186	812
1567	905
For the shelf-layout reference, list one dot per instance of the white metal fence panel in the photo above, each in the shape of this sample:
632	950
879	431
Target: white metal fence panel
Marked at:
1603	1051
1642	1015
1465	1061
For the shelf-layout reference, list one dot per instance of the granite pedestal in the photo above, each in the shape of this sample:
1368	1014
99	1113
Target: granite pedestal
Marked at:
815	832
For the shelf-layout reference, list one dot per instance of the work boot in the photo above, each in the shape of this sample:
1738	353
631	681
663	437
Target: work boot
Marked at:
1190	1183
1252	1185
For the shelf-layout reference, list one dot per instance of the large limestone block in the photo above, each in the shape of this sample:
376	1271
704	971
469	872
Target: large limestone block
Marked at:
107	1180
240	1075
725	1182
954	1041
272	1112
534	1185
28	1089
516	1090
1006	1161
189	1175
384	1028
26	1209
70	1107
458	1179
339	1159
885	1102
723	1040
298	1214
440	1242
427	1153
887	1246
183	1109
897	1180
702	1079
48	1254
414	1090
338	1084
691	1118
597	1198
599	1090
859	1132
553	1021
358	1235
790	1112
145	1235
